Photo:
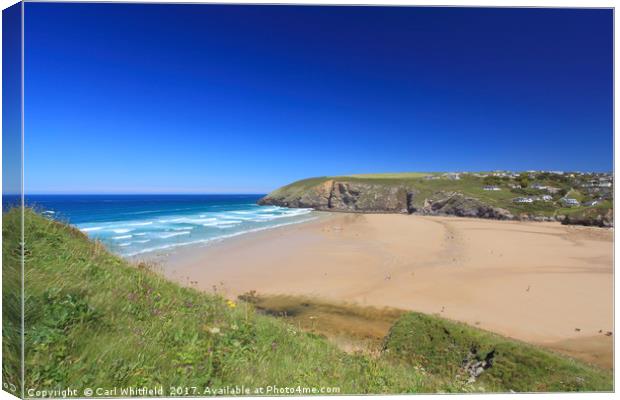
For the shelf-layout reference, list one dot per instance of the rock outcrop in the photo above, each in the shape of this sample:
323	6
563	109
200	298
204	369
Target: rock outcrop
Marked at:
604	220
462	206
363	197
346	197
318	198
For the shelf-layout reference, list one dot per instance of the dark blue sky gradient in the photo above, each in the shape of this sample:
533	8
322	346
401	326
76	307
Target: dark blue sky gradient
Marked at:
205	98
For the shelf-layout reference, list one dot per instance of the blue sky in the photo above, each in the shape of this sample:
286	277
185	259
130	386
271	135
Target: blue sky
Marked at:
229	99
11	101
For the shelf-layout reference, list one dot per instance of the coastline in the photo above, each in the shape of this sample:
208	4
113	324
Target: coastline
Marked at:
557	294
160	256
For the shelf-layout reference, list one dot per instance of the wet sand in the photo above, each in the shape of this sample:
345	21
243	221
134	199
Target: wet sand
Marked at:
543	283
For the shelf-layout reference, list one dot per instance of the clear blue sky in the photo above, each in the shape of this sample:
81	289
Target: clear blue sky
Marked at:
229	99
11	100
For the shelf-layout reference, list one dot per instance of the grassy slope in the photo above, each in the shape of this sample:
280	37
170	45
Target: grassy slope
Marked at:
94	320
440	346
435	345
468	185
297	188
11	301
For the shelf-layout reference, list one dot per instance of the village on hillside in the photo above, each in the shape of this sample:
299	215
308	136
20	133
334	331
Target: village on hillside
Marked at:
564	189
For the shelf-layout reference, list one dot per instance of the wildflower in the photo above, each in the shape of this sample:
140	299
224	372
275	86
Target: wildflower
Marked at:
231	304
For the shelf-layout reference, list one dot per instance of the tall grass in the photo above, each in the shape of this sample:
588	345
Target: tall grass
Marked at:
11	301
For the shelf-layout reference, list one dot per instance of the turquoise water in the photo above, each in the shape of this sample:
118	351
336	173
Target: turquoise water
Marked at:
131	225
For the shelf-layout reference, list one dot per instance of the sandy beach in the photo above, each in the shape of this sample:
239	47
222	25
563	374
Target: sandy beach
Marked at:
543	283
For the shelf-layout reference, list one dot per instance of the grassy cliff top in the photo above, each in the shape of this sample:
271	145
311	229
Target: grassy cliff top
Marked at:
425	185
94	320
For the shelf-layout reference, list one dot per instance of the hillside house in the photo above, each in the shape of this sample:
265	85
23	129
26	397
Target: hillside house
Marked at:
602	183
452	176
523	200
538	186
491	188
590	184
569	202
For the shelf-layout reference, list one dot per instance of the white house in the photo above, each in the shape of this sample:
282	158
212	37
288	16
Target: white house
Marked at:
546	197
453	176
569	202
594	183
491	188
538	186
523	200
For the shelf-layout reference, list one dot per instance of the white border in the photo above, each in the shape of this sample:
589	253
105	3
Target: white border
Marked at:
476	3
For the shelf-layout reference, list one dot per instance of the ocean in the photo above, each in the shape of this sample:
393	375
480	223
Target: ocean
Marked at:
131	225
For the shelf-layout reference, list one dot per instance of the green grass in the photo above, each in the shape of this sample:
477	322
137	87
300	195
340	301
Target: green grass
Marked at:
440	346
395	175
93	320
575	194
11	301
297	188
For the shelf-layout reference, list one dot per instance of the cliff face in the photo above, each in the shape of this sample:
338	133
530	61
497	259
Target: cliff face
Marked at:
344	196
363	197
381	198
396	195
462	206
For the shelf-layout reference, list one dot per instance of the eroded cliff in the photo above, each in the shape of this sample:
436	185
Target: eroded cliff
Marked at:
343	196
333	195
